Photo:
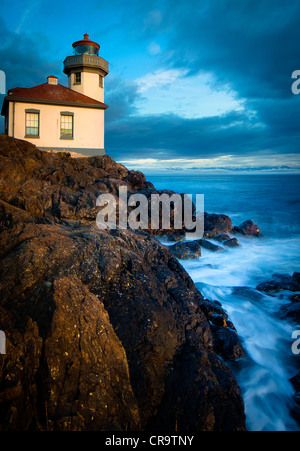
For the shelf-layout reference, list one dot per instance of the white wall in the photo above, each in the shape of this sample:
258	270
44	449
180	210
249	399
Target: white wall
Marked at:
88	126
89	85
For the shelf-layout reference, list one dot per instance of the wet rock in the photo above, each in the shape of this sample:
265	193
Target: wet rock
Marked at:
226	341
296	281
186	250
228	344
286	283
171	236
295	298
231	243
248	293
192	249
209	246
215	225
296	406
248	228
280	282
221	238
290	312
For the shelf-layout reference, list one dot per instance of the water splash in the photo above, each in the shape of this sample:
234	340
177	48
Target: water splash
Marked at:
230	278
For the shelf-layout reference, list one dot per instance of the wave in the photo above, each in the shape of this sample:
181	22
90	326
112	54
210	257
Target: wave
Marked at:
231	277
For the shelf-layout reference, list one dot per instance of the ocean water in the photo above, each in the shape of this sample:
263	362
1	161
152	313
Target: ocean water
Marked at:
273	203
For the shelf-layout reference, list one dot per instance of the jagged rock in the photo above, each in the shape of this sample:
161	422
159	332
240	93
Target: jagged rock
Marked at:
248	228
285	282
209	246
290	312
225	337
296	281
215	225
296	407
189	250
186	250
221	238
105	329
137	180
231	243
281	282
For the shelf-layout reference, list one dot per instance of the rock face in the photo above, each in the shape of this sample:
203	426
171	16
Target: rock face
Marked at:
189	250
105	329
226	340
215	225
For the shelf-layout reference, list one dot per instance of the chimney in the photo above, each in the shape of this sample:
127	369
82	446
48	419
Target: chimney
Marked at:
52	80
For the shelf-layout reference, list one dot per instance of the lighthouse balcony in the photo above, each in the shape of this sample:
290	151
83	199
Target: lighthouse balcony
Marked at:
85	60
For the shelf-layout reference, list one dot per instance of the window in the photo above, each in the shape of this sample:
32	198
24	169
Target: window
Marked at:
66	125
77	78
100	81
32	123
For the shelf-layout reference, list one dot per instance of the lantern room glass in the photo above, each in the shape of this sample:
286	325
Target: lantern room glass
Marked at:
86	50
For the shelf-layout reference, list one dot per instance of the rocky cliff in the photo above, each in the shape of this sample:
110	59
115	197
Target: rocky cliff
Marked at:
105	329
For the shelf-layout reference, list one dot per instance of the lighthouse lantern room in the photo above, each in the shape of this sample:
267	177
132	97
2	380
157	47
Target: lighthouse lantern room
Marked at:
86	70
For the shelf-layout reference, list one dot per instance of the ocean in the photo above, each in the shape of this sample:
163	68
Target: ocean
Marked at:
273	203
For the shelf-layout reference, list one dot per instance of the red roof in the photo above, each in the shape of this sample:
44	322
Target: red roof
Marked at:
51	94
86	41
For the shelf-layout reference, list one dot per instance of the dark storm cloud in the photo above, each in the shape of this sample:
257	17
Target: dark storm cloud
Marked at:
122	97
250	45
170	136
23	59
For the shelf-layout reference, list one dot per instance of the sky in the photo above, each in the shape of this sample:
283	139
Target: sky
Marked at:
194	86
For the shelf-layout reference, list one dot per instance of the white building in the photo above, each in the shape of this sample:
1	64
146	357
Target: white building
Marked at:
54	117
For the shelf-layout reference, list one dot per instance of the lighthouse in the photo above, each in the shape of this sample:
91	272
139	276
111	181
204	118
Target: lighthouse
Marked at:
57	118
86	70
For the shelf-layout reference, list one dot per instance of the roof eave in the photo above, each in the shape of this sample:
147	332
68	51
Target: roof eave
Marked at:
100	106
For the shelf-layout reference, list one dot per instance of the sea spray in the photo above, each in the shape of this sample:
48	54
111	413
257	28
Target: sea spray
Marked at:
230	278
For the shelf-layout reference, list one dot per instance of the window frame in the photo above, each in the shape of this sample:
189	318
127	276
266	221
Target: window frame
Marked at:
30	135
75	78
68	114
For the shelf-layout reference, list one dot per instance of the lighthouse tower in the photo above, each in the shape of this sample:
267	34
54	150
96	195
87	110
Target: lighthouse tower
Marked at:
86	70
